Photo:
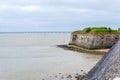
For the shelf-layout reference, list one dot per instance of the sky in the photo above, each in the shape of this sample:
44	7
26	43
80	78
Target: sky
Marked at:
57	15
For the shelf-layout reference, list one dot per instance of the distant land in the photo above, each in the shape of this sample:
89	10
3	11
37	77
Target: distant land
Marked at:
36	32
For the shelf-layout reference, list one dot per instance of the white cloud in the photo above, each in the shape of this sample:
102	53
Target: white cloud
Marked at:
28	8
4	7
86	11
116	78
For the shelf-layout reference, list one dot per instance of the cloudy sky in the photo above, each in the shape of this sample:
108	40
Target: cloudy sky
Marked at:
58	15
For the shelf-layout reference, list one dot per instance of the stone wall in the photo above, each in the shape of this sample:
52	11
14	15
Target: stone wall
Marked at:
94	41
108	68
82	40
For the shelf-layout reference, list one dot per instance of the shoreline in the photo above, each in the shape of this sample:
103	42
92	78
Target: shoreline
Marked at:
80	49
83	50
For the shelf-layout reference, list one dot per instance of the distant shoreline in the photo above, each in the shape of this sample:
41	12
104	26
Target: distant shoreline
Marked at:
33	32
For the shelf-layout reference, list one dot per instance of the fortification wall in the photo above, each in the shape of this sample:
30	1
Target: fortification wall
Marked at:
108	68
94	41
82	40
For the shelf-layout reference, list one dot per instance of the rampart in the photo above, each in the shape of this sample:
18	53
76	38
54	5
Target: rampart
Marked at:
94	41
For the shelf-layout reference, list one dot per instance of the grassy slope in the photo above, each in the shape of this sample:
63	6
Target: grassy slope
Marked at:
97	30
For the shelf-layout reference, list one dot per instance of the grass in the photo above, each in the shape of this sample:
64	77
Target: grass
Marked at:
97	30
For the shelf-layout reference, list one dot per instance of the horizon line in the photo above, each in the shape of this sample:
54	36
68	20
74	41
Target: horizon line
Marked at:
40	32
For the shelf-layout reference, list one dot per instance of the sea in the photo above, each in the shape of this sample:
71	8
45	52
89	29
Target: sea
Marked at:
35	56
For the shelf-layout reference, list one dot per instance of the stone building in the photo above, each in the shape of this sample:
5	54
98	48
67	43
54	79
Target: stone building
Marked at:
94	41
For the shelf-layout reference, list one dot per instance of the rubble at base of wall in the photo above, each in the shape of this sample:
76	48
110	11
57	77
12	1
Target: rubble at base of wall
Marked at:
80	49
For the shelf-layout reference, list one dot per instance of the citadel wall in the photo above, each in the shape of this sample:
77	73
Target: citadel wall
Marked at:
94	41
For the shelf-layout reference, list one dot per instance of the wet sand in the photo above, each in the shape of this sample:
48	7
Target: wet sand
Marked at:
83	50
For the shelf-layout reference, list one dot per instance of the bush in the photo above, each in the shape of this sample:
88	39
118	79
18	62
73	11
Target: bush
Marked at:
109	29
86	30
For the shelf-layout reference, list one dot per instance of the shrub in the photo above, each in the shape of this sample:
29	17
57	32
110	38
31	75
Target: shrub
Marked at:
86	30
109	29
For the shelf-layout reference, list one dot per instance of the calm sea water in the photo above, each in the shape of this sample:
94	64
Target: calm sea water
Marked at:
34	56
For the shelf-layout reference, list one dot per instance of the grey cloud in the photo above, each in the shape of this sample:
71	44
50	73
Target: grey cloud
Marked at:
58	14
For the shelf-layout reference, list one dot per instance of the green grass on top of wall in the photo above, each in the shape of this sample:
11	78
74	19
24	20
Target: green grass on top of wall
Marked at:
97	30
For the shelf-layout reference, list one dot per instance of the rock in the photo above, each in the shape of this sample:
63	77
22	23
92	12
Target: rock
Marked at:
69	76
